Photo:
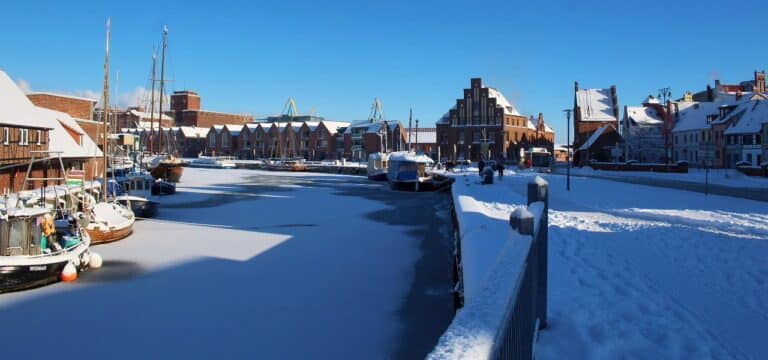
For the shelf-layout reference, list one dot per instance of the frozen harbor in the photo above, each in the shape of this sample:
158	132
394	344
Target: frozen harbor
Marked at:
249	263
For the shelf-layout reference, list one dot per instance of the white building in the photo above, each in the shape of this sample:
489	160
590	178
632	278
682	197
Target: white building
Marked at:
643	132
743	136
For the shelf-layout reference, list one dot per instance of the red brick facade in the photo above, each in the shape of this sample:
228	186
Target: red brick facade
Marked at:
78	108
481	125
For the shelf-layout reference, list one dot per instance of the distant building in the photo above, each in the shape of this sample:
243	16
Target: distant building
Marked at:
484	124
423	140
362	138
645	132
185	106
593	110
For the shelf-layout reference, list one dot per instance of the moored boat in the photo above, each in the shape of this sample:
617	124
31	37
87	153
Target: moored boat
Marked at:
108	222
169	169
377	166
287	165
408	171
213	162
28	258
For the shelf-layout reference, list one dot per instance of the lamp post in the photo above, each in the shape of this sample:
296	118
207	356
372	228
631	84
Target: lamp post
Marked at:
568	148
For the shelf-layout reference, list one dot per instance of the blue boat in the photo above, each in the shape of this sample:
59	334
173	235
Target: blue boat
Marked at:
408	171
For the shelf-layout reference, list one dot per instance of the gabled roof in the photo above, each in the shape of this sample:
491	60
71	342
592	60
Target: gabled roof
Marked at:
693	115
748	117
595	104
17	109
502	101
595	135
644	116
333	126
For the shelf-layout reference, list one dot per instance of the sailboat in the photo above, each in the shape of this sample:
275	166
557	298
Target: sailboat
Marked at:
106	221
164	165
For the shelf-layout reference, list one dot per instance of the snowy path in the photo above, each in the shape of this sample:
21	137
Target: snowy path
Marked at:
643	272
250	264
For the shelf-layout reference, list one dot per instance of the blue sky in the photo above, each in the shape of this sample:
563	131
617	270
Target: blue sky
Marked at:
337	56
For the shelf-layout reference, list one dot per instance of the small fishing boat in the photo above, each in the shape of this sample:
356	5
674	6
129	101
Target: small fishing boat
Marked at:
166	167
408	171
106	222
138	196
213	162
28	258
162	187
377	166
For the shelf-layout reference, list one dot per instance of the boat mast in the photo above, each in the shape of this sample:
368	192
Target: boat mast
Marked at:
410	126
162	85
152	103
105	118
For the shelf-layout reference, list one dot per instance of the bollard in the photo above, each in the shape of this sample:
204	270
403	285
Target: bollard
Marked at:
538	190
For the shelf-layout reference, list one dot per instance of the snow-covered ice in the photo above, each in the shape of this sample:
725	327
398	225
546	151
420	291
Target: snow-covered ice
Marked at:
244	263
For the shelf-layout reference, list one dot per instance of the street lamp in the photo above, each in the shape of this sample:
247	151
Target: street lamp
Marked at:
568	148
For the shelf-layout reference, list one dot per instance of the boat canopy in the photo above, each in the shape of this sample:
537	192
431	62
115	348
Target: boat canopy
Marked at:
408	156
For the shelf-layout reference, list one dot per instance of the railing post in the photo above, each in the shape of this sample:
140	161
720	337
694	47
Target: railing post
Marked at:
538	190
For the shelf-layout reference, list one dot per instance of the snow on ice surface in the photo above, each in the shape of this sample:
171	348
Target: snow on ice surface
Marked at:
726	177
220	275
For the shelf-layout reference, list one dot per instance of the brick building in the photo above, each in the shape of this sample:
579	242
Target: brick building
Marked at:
484	124
26	127
362	138
423	140
76	107
593	109
185	107
223	140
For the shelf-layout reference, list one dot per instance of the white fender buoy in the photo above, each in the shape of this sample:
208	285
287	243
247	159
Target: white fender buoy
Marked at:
96	261
69	274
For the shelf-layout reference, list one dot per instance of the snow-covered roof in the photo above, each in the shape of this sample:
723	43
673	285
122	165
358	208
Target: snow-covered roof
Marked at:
410	156
748	117
143	115
81	98
693	115
651	100
425	135
17	109
502	101
595	104
234	129
642	115
333	126
592	138
193	132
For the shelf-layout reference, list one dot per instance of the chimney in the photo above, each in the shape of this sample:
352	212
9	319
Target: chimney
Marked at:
759	82
710	95
575	86
615	99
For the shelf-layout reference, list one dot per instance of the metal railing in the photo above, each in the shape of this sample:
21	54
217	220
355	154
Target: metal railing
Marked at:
512	321
527	311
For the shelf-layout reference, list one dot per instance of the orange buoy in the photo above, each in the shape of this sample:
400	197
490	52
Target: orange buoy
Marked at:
69	274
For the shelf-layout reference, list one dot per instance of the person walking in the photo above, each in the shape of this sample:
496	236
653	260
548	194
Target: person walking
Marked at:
500	168
480	166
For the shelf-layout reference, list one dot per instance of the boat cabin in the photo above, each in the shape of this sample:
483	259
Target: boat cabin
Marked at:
21	232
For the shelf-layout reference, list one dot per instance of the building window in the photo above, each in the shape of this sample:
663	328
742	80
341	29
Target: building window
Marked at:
212	139
461	137
24	138
6	136
39	137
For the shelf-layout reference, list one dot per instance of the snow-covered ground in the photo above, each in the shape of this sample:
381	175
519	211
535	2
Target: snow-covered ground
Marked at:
724	177
244	263
646	272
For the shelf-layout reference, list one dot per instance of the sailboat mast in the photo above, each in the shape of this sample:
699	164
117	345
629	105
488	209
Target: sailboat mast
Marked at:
105	118
410	126
152	104
162	86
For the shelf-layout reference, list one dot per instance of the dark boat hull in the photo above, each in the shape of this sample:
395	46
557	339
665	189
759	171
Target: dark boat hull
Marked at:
20	277
378	177
142	209
163	188
170	172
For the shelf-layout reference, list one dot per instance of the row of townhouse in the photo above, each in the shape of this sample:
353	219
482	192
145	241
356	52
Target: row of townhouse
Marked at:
33	126
721	127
